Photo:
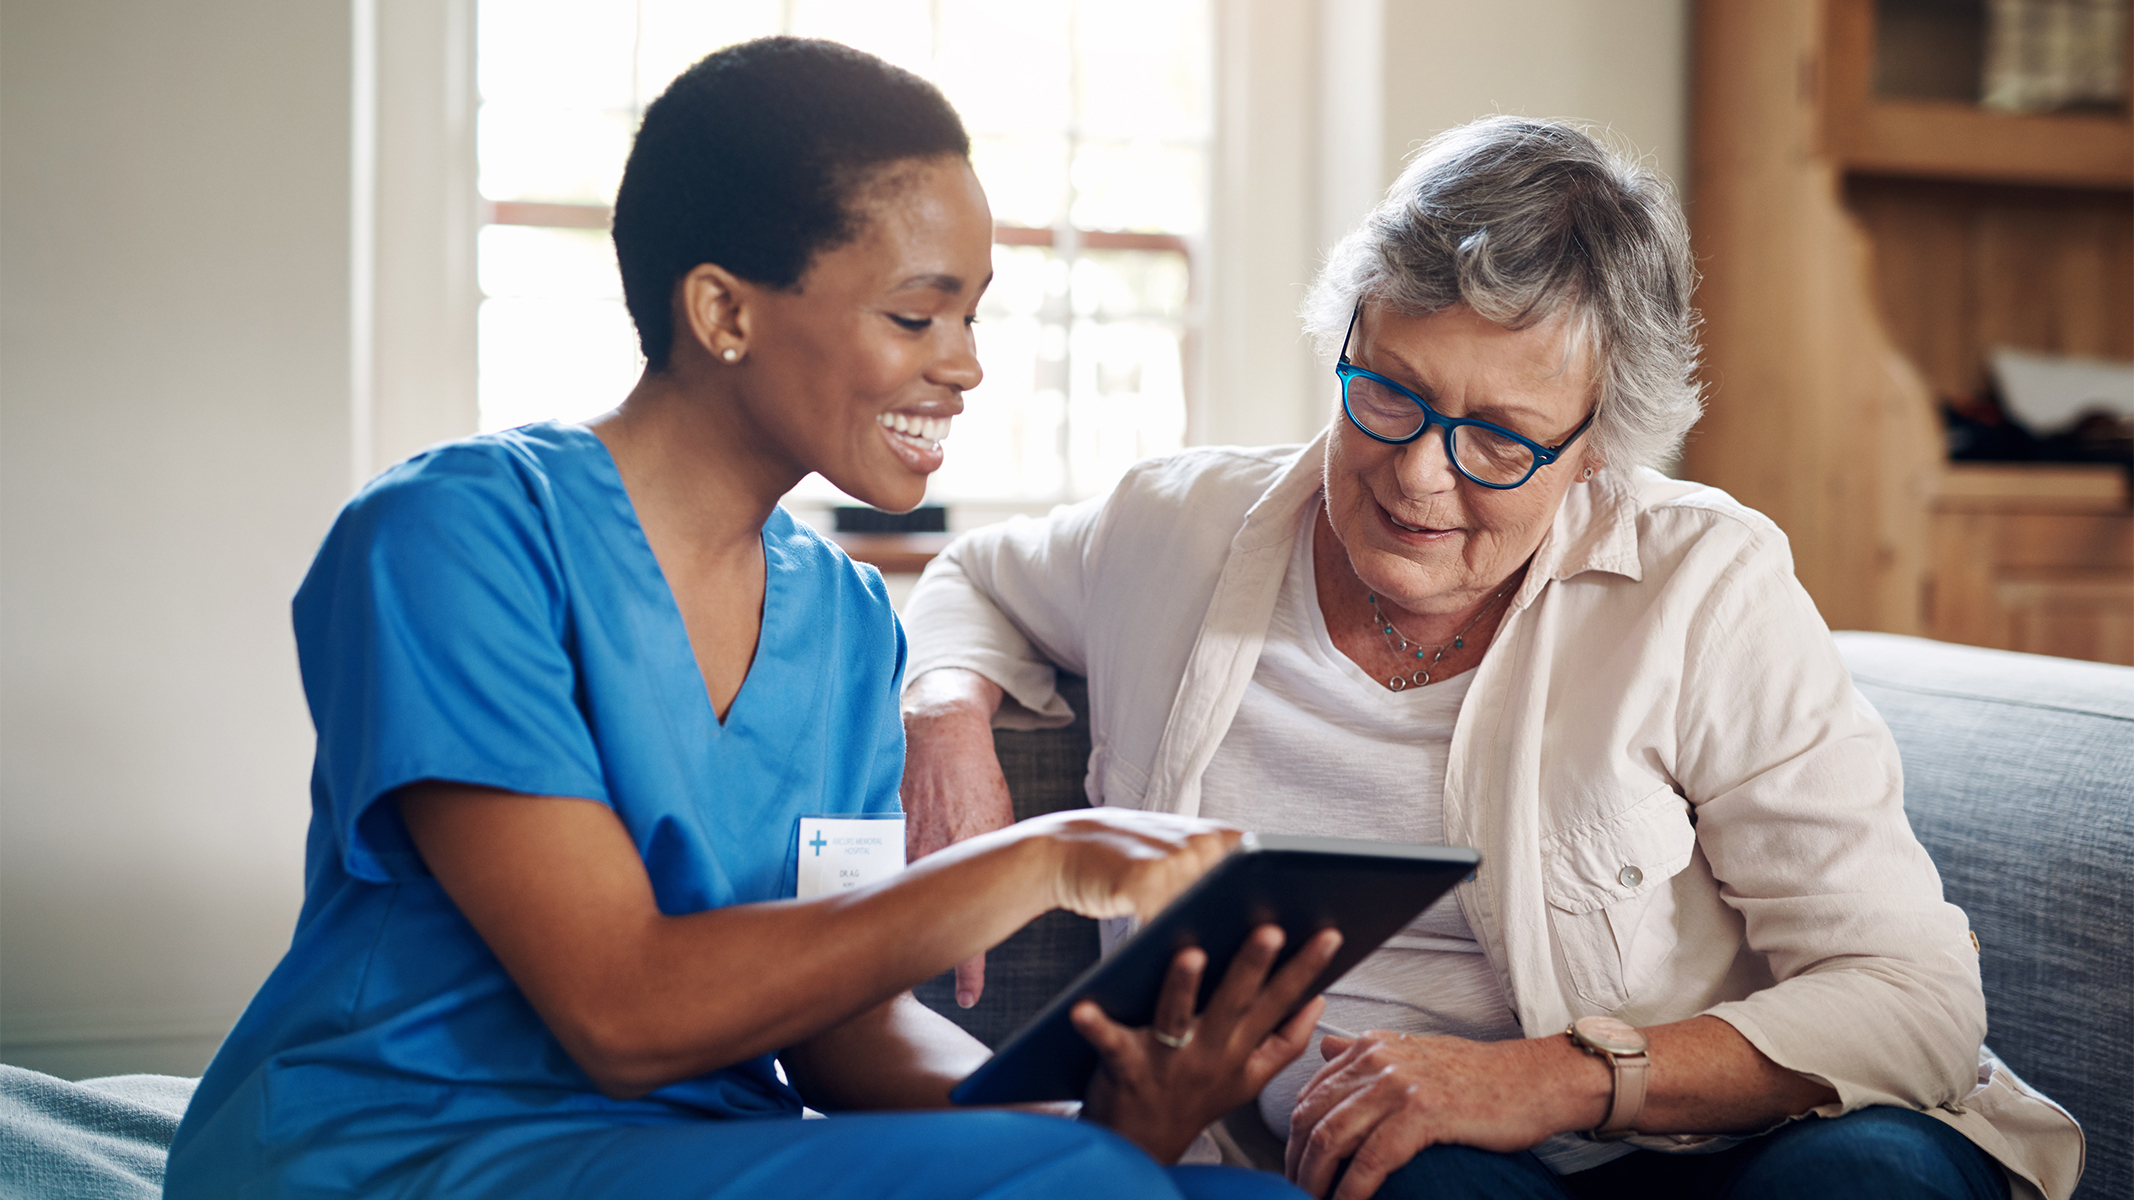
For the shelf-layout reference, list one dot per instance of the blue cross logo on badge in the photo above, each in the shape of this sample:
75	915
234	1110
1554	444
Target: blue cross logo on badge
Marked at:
818	843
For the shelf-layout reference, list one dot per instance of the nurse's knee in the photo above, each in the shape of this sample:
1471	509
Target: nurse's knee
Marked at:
1083	1158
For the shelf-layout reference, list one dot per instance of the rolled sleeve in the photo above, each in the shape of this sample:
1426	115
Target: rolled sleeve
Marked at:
1799	799
1009	602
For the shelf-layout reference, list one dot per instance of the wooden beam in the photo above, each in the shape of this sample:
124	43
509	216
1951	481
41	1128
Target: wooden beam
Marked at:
563	216
892	553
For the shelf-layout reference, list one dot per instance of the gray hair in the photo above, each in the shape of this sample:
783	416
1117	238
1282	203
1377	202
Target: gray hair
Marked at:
1517	218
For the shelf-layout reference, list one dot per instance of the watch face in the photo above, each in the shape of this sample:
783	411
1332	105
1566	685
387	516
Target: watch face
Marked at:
1611	1035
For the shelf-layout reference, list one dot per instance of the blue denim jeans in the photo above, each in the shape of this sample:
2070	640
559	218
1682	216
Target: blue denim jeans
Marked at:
1869	1154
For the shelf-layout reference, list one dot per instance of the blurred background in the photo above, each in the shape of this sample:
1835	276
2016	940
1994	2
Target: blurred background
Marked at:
253	252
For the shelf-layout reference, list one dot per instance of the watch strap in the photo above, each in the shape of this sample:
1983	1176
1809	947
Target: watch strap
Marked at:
1629	1095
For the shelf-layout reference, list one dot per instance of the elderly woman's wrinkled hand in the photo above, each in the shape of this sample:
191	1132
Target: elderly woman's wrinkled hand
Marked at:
1160	1086
1383	1097
953	787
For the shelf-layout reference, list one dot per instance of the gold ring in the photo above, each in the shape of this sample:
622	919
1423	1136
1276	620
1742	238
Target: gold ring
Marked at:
1175	1042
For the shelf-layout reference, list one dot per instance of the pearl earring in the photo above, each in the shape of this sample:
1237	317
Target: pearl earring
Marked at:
1588	474
732	355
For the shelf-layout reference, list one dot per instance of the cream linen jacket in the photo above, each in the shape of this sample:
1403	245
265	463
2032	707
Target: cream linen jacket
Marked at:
1682	804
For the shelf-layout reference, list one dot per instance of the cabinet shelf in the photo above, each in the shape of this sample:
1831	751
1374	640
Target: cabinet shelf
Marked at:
1939	139
1947	139
2033	487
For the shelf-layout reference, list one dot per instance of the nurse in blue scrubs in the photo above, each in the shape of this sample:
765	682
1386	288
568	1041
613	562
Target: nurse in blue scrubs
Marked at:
575	686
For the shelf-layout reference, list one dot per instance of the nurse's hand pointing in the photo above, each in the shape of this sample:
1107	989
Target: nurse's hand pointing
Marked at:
1117	862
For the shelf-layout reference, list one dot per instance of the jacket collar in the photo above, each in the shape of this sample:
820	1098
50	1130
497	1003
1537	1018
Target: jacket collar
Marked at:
1596	529
1273	518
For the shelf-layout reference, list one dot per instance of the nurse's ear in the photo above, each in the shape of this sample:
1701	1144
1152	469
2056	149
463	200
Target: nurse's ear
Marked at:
713	311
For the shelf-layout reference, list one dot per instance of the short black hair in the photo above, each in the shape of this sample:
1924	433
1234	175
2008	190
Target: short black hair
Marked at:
754	158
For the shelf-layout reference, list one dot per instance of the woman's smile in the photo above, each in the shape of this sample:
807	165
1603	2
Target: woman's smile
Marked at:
1418	534
916	438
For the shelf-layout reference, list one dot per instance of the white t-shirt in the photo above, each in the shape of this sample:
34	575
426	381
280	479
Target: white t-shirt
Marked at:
1319	747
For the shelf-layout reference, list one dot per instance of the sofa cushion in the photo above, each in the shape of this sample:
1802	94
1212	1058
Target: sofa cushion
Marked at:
100	1139
2019	779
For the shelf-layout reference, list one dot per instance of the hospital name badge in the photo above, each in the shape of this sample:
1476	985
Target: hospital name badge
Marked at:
838	854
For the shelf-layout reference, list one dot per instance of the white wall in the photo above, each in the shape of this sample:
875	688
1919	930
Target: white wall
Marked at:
174	336
1319	105
1262	223
425	206
178	421
1623	64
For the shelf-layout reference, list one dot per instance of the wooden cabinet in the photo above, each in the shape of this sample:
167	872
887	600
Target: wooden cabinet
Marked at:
2036	558
1870	130
1862	252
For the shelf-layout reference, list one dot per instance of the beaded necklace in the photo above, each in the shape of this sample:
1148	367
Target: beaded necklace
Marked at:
1401	644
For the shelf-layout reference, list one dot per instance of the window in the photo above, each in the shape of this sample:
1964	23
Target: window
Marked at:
1090	123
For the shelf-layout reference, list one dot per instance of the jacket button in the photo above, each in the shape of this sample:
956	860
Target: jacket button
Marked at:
1631	877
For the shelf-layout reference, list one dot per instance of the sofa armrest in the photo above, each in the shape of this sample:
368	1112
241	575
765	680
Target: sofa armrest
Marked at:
2019	781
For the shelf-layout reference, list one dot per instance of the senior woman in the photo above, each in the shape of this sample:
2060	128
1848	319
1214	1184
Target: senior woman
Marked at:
1471	613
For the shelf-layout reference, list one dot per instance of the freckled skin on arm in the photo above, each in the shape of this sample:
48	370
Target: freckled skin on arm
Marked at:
953	787
1383	1097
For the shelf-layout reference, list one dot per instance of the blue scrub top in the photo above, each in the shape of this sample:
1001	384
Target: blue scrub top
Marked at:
489	612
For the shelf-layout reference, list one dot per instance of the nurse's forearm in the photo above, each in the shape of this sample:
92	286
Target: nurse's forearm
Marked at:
785	971
557	890
901	1054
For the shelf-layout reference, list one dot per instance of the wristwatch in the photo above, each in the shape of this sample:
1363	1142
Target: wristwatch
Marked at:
1623	1045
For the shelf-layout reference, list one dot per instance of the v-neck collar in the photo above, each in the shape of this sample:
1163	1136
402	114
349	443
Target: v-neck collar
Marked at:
608	474
1318	640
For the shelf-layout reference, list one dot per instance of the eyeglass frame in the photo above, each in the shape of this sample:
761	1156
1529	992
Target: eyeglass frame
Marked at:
1344	370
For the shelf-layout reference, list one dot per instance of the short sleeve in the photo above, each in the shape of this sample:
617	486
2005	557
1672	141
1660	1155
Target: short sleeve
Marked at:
434	636
886	782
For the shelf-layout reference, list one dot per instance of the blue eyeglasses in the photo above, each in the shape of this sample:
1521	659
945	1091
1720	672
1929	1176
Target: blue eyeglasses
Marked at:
1490	455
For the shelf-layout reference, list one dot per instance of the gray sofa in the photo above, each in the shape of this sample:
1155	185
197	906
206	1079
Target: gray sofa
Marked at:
2019	778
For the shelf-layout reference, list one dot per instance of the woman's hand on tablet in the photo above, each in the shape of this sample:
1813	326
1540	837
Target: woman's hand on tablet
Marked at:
1160	1086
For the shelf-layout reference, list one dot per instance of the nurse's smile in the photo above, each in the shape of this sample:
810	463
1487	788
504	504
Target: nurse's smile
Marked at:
916	438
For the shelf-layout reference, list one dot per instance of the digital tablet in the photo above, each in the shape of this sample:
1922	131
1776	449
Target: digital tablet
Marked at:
1367	890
